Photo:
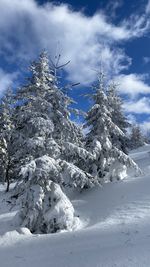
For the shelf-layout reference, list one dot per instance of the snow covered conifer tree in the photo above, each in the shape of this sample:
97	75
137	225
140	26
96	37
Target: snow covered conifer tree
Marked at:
115	104
110	162
6	130
43	127
136	137
34	127
47	151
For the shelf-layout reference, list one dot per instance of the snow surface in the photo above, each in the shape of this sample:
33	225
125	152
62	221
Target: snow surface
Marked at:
115	230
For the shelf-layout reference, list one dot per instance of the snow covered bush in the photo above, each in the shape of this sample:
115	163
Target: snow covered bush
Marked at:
46	209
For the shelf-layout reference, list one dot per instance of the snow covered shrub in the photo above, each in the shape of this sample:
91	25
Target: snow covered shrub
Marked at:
46	209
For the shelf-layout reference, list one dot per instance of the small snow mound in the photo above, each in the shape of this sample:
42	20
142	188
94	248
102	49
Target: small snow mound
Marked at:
10	238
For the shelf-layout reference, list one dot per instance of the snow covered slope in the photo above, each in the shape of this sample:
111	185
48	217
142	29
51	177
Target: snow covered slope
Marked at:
115	229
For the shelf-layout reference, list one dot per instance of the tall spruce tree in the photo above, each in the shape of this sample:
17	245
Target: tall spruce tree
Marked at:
43	126
110	162
48	149
115	105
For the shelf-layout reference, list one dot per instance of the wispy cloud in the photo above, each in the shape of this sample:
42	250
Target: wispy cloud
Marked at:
26	28
133	84
141	106
113	6
6	80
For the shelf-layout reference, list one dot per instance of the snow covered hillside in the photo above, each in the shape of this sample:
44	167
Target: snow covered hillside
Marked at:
114	231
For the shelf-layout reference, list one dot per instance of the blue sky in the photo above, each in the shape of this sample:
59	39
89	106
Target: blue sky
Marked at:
116	33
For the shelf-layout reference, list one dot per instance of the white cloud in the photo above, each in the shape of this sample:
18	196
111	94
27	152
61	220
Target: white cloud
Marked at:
137	25
26	28
133	84
6	80
141	106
